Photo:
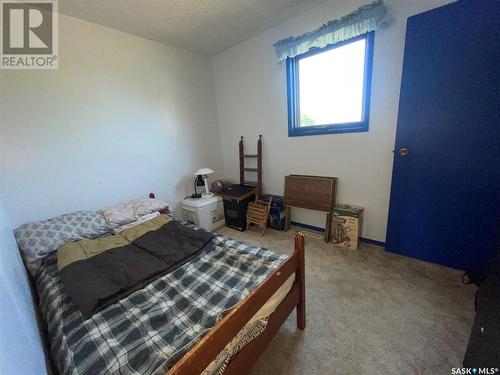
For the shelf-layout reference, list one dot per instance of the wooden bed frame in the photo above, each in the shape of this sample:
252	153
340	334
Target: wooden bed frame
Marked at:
207	349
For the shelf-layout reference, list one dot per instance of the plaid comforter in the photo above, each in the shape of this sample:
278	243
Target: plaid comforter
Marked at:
151	329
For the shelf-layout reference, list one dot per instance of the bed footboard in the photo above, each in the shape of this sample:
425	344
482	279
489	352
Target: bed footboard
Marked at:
207	349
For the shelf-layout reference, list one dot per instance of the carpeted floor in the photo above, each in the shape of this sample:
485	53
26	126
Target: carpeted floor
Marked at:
369	312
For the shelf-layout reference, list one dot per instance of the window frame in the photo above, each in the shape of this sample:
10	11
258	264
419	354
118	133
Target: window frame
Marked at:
293	94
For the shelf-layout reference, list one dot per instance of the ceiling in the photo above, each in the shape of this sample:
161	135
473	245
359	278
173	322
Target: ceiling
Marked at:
204	26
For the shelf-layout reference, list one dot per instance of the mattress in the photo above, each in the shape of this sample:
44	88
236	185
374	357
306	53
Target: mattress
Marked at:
255	326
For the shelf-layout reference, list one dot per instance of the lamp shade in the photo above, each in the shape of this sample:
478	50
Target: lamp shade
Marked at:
203	171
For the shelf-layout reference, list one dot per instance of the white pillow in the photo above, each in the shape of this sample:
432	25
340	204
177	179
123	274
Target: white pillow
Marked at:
128	212
141	220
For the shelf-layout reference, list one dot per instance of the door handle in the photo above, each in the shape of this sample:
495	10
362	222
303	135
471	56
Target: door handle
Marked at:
403	151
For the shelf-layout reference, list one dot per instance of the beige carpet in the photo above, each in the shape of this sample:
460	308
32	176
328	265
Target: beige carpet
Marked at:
369	312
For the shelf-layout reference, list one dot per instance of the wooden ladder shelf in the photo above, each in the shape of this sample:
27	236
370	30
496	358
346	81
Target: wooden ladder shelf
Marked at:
258	211
258	169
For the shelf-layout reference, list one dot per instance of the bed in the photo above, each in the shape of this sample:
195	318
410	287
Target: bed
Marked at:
195	319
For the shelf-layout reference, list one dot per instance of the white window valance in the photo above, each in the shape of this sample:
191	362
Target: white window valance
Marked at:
367	18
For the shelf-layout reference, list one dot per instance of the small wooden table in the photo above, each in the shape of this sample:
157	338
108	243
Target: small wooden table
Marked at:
236	197
313	193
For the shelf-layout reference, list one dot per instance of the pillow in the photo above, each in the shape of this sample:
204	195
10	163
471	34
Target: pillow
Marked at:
39	238
128	212
142	219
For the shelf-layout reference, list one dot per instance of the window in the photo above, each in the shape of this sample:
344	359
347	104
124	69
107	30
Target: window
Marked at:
329	88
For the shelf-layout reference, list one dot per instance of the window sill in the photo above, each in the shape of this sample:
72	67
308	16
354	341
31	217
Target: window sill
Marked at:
294	131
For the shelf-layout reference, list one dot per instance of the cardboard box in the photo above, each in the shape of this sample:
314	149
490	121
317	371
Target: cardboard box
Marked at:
346	225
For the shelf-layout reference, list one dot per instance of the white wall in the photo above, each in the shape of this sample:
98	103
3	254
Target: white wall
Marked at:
20	345
251	99
123	116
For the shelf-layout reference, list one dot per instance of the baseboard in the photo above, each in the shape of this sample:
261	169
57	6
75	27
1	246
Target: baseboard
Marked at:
322	230
307	226
373	242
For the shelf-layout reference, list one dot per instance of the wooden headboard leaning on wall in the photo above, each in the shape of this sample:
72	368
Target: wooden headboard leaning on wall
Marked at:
313	193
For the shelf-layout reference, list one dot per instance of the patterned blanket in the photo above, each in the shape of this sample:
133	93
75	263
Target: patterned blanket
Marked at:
151	329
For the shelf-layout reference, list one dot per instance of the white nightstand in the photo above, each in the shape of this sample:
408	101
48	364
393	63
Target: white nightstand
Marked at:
207	213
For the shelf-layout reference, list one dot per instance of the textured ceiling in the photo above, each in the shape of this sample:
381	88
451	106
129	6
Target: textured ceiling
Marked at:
204	26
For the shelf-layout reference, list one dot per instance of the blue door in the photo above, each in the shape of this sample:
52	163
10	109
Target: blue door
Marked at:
445	193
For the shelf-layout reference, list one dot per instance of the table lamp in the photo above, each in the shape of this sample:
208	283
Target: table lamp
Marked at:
204	172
